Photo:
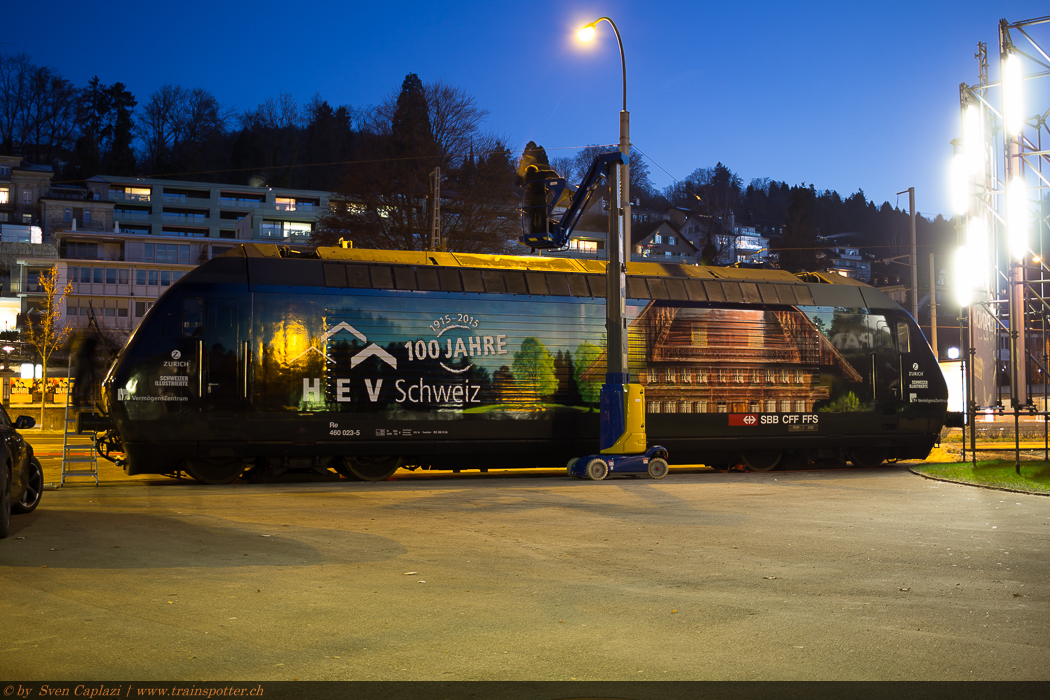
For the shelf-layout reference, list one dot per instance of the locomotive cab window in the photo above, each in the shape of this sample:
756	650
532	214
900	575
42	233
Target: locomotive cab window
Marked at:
192	317
903	338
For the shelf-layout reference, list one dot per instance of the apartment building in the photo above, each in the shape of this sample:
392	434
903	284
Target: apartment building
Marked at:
122	241
21	186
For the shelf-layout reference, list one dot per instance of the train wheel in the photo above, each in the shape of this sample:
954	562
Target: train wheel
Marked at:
657	468
209	471
342	468
373	468
866	459
762	460
597	469
34	489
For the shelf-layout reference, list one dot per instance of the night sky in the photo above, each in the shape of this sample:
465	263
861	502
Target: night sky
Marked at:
842	95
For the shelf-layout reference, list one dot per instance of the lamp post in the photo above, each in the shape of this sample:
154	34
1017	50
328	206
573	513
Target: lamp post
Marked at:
619	229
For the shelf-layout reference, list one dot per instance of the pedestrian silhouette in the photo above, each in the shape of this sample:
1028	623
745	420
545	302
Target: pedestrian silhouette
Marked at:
84	370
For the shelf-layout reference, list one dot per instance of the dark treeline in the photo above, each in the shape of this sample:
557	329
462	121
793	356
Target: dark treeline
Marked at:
380	160
176	132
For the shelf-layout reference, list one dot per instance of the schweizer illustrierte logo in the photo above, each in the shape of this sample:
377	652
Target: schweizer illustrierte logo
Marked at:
370	350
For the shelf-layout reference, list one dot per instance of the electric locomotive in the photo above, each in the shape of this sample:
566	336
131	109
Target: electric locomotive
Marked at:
363	361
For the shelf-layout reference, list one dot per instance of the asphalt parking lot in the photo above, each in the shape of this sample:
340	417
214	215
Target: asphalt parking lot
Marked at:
839	574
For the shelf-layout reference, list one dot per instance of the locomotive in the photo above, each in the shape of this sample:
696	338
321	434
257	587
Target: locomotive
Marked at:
364	361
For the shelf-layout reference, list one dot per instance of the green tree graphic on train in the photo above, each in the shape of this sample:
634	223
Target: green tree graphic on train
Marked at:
533	370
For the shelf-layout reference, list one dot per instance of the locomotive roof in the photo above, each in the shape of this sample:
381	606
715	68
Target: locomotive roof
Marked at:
269	264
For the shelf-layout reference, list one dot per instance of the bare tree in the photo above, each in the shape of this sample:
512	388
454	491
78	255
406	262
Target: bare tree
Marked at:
387	201
38	109
45	329
178	124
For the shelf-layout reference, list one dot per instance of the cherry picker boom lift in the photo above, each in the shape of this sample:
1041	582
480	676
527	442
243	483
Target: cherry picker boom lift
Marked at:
622	439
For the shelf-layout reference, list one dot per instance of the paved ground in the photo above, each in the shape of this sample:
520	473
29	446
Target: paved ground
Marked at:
841	574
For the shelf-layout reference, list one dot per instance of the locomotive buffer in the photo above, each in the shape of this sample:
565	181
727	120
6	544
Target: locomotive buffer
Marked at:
622	440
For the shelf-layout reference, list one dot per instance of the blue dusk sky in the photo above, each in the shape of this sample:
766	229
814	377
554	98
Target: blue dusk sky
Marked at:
843	95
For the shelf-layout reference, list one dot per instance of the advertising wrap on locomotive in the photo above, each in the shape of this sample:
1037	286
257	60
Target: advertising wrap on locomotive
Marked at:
362	361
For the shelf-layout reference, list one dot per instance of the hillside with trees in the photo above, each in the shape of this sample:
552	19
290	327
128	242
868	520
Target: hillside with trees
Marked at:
379	162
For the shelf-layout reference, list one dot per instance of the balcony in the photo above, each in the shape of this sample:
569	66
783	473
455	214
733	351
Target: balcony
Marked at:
130	214
288	237
125	197
240	203
184	218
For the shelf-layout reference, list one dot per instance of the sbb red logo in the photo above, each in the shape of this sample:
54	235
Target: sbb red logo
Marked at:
746	419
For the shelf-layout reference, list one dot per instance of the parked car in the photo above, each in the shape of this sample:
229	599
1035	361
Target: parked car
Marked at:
21	476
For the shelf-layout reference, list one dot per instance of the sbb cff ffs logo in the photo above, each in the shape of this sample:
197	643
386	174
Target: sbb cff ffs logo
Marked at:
752	419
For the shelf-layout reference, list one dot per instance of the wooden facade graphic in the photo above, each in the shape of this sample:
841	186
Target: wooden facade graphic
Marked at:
712	360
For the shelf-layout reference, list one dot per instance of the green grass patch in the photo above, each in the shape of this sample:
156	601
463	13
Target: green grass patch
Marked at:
1034	476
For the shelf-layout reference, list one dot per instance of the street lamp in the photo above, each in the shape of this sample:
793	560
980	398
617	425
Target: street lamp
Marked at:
622	403
618	256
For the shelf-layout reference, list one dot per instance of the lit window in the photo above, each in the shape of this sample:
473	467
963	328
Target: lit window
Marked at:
285	204
670	240
5	195
658	238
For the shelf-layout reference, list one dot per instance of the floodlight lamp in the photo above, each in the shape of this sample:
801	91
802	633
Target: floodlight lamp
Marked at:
953	353
1013	95
586	33
963	276
1017	217
961	184
973	140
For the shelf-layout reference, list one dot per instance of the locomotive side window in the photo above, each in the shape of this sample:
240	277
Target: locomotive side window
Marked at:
903	338
192	317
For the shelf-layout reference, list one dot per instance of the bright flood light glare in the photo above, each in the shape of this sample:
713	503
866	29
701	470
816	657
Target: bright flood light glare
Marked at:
961	184
586	34
1013	95
976	235
953	353
963	276
1017	217
973	140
